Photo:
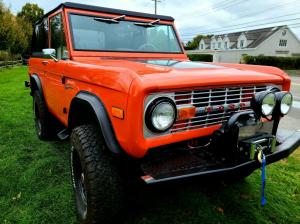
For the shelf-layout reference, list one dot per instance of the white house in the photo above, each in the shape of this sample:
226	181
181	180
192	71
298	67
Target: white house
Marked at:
230	47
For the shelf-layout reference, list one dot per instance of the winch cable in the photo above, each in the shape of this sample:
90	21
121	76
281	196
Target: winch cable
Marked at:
262	159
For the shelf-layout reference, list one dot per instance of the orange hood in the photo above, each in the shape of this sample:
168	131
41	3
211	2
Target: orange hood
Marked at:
171	74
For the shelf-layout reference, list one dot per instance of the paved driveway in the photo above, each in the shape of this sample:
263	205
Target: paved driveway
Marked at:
292	120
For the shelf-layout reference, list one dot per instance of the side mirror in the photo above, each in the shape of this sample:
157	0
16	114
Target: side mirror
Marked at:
50	52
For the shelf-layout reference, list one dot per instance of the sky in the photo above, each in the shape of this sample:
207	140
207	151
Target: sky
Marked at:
199	16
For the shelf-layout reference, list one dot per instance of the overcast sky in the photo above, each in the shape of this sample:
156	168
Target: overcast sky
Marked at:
199	16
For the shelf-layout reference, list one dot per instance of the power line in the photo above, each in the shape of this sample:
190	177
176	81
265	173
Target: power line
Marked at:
243	27
257	12
218	8
294	25
270	18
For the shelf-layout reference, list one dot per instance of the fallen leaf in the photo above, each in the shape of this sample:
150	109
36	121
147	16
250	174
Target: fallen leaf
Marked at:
17	197
220	210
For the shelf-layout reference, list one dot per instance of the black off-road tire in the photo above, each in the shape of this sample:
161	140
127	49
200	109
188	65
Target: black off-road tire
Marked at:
97	178
44	122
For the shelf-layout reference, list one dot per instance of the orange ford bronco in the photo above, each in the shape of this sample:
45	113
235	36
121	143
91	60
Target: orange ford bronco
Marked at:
122	88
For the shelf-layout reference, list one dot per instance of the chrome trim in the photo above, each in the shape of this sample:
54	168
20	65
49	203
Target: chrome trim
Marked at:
204	98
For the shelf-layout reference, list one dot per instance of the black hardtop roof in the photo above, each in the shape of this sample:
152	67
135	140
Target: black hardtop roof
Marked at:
73	5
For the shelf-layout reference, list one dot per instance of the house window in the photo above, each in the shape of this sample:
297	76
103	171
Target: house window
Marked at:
225	45
219	45
241	43
201	46
213	46
282	43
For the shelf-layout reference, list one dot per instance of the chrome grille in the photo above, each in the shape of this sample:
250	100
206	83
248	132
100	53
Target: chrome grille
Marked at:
214	106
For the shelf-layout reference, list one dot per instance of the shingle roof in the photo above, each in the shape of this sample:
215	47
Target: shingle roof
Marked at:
257	36
206	41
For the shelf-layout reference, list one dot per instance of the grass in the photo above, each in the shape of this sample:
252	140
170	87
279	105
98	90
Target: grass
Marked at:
35	180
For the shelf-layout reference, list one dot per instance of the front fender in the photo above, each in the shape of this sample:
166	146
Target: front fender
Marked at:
94	106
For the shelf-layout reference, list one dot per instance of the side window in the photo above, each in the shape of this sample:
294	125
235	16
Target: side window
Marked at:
40	38
58	39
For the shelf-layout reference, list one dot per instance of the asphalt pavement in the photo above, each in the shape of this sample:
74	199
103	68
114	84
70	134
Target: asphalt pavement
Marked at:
292	120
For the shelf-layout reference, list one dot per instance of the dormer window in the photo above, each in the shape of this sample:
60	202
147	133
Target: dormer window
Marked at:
219	45
241	43
201	46
226	45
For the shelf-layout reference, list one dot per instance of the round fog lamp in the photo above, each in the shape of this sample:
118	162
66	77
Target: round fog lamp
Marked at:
268	104
286	103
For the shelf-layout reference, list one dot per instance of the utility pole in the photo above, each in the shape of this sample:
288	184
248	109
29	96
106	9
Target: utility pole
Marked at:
155	5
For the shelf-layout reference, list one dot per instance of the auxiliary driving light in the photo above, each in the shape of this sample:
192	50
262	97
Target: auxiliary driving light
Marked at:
160	114
284	102
264	103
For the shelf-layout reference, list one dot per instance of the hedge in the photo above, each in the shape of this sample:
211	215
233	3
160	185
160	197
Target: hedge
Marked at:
200	57
280	62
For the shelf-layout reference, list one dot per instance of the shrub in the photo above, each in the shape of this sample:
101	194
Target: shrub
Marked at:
4	56
280	62
201	57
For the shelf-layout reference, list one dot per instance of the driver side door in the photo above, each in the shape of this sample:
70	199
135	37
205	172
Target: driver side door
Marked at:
55	69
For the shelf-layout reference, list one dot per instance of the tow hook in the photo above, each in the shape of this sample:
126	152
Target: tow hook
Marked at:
262	159
260	155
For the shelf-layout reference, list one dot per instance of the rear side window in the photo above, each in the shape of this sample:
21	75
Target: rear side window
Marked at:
40	38
58	39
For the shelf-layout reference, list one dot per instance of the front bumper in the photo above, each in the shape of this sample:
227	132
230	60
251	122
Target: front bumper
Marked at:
288	142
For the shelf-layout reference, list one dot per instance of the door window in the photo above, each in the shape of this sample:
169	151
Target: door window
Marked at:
40	38
58	39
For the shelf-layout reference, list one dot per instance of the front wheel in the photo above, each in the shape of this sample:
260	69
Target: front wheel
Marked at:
97	180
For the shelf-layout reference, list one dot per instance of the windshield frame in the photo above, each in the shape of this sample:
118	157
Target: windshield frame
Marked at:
161	22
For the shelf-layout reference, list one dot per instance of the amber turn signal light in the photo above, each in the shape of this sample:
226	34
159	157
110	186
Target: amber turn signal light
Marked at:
117	112
185	113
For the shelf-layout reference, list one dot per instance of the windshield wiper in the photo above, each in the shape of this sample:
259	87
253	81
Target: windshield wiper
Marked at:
110	20
151	24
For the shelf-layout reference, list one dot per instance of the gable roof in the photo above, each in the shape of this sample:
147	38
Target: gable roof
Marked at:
257	36
73	5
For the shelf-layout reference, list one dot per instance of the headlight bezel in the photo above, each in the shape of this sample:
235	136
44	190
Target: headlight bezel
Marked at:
150	109
279	98
258	100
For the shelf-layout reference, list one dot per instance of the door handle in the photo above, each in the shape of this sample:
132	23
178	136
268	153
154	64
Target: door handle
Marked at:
45	62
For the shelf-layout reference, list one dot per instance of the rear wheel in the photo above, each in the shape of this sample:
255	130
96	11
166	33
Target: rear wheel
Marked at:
97	179
44	123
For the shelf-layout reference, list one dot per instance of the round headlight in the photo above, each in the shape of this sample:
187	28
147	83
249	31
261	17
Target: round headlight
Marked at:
268	104
160	115
284	102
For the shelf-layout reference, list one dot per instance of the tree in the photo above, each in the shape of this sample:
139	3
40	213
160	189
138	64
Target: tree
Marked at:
28	16
191	45
31	12
6	28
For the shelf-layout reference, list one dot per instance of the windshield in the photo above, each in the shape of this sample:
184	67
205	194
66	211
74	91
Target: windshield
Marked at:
97	34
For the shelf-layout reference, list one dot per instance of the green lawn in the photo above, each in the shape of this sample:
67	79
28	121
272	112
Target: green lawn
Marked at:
35	180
